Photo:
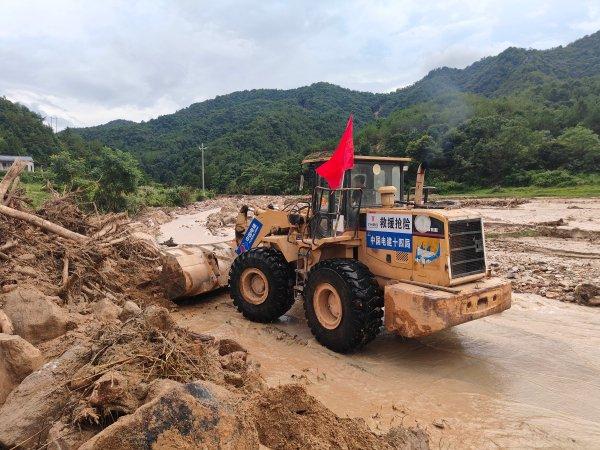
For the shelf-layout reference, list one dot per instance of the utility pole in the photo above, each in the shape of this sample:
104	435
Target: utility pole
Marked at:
201	147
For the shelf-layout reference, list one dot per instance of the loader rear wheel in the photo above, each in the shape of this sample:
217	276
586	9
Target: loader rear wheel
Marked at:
343	302
261	284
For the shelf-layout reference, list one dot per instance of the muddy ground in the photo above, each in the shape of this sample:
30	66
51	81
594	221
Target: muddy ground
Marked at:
529	377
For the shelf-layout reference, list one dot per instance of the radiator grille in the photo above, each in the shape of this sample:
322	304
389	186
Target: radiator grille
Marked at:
467	255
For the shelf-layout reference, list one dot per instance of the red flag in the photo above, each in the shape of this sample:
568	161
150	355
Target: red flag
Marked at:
341	160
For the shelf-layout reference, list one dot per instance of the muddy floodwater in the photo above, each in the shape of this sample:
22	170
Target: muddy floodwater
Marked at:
528	377
191	229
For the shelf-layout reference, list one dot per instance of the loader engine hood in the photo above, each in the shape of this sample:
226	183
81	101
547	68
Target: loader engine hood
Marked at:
441	247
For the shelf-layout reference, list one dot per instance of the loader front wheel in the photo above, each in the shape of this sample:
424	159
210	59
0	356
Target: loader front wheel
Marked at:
342	302
261	284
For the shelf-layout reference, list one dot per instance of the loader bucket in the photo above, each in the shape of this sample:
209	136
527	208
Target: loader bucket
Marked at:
189	270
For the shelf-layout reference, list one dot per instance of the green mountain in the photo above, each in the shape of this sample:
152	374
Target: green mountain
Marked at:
23	132
512	70
249	132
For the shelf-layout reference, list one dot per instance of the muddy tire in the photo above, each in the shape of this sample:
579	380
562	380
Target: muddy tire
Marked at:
261	284
343	302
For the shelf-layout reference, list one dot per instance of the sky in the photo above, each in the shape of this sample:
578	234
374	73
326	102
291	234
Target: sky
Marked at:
90	62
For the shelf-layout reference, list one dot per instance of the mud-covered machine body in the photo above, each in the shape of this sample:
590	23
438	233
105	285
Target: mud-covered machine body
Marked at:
363	255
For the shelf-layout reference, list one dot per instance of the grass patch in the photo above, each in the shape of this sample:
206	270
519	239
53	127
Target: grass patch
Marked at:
35	191
556	183
583	190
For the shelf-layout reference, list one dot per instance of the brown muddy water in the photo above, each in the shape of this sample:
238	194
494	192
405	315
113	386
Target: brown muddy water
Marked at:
528	377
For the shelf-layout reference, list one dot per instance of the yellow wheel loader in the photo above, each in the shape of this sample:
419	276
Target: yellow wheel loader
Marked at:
363	256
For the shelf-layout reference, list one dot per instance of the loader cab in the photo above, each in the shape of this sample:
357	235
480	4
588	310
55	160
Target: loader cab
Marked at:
369	174
337	211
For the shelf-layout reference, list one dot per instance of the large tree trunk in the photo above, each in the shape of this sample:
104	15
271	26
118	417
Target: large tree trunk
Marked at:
13	173
43	224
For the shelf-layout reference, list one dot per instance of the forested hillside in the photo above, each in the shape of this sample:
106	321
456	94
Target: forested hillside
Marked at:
23	132
512	70
525	102
542	135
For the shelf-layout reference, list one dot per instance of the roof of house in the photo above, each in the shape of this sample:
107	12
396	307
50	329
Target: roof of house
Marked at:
9	158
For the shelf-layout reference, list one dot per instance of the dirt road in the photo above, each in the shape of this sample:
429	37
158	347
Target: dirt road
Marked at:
527	377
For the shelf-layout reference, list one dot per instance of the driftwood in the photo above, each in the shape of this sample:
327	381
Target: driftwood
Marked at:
65	272
15	170
8	246
14	189
43	224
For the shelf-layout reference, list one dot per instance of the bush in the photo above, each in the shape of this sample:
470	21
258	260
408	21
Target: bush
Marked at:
156	195
553	178
449	187
519	178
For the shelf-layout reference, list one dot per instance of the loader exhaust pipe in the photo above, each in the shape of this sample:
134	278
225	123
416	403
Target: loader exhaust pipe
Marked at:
419	184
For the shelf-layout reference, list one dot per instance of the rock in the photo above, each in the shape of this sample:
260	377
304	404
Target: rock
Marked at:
194	415
584	292
26	270
235	379
8	288
106	311
439	423
511	275
227	346
113	395
158	317
30	408
18	358
35	316
594	301
67	436
235	362
130	309
6	325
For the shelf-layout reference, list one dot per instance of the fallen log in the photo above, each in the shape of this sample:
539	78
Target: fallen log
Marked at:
13	172
8	246
43	224
14	189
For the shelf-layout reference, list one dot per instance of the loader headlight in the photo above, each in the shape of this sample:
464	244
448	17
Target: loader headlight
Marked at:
423	224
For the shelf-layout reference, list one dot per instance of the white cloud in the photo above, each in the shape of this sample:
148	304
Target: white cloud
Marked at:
89	62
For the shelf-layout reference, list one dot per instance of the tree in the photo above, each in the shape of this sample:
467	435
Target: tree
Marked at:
118	174
582	147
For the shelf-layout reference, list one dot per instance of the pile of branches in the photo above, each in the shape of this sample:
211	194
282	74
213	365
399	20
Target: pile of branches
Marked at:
76	256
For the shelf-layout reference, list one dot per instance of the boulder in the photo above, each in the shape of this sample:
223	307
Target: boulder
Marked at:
158	317
194	415
130	309
106	311
18	358
67	436
6	325
35	316
227	346
586	293
31	407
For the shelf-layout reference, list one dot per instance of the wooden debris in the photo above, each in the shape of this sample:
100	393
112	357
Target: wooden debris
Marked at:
15	170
